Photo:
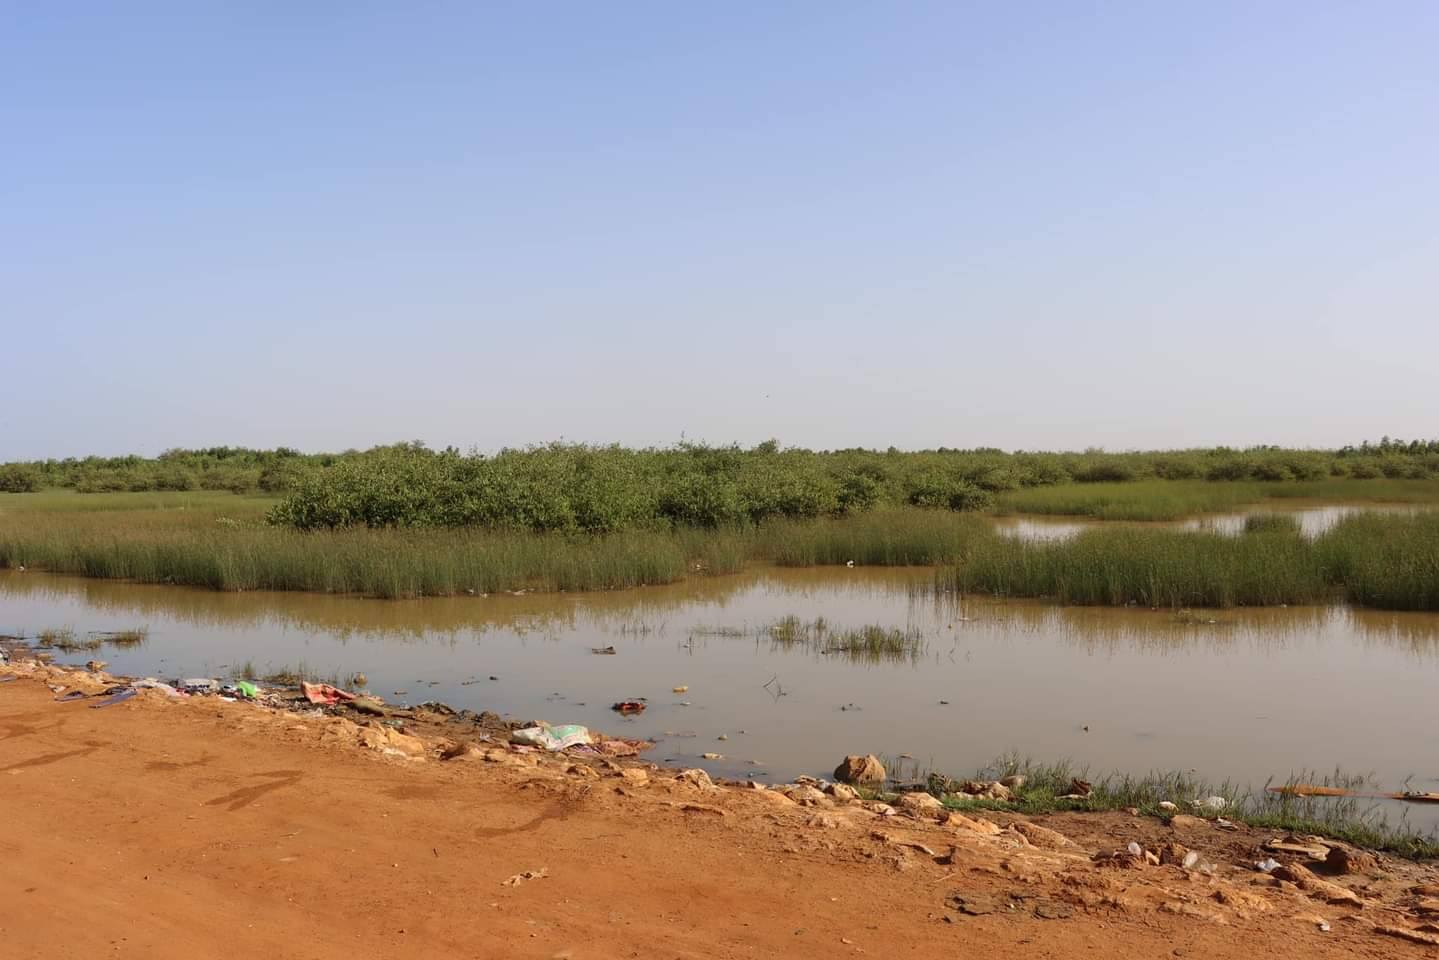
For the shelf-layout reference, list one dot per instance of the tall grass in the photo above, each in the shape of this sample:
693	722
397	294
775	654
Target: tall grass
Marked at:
194	548
884	538
1152	568
1385	561
1389	561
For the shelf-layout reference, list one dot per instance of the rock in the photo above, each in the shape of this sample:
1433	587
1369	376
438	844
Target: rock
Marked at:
972	824
1189	910
860	769
635	775
456	751
1404	933
1121	859
805	794
989	790
775	797
1052	910
972	904
880	809
1042	836
390	740
1173	853
582	770
368	705
696	778
1305	880
920	805
1294	873
1425	889
1349	860
1297	847
1241	902
842	793
1184	822
998	791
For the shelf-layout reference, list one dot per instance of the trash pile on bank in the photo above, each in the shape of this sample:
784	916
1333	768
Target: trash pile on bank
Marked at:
379	725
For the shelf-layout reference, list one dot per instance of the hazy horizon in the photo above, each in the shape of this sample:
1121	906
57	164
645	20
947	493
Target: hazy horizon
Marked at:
839	225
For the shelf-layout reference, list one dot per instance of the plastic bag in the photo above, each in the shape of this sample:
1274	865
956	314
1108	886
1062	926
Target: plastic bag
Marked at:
552	738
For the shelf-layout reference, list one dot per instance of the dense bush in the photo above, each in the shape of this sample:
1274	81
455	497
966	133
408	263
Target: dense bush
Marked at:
565	487
19	478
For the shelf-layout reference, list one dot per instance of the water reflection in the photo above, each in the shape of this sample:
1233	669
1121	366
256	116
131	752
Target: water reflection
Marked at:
1247	694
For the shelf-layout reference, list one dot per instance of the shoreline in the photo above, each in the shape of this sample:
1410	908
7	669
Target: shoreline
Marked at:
436	729
271	820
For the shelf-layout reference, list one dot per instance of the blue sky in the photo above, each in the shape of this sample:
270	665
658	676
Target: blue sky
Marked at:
1030	226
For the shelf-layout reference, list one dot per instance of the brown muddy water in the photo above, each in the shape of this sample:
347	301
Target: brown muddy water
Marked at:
1246	695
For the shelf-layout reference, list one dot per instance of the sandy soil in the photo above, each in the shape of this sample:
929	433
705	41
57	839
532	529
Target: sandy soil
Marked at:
197	828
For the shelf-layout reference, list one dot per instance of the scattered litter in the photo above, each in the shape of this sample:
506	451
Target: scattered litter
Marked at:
712	756
1135	849
72	695
198	685
1168	806
520	878
1211	804
552	738
603	651
1223	824
118	696
631	706
1267	865
682	689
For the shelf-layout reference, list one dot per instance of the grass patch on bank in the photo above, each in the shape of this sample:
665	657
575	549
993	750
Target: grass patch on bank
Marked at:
1353	820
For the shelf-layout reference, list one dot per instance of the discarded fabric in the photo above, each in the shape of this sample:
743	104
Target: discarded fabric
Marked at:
324	693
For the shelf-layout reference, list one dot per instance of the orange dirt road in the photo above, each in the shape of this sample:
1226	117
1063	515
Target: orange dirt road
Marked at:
197	829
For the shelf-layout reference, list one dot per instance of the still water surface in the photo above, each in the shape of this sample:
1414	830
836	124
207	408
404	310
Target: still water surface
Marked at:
1252	695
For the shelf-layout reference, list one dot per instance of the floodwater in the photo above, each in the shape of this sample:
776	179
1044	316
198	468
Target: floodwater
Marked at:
1313	519
1245	695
